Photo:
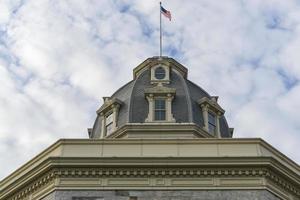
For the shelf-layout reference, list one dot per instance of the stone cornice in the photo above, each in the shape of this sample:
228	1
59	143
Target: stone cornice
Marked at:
77	169
136	154
211	103
109	104
56	149
156	127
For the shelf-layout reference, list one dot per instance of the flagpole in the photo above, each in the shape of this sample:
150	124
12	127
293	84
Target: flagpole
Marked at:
160	35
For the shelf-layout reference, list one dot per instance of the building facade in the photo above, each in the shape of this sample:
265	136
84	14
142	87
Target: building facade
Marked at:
160	136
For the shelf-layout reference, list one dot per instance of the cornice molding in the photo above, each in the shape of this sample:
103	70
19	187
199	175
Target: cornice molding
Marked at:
91	155
57	150
211	103
250	177
167	127
109	104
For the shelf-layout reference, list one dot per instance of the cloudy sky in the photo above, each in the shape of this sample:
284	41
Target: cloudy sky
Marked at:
58	58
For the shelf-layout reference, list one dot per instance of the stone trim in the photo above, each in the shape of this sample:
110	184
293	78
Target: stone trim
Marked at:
110	106
263	149
211	105
150	62
159	177
283	172
165	80
160	91
191	130
34	186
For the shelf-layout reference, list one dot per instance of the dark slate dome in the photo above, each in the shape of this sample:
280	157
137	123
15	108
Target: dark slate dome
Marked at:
133	107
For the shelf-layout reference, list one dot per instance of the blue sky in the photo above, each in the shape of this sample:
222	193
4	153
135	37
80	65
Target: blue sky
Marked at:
59	58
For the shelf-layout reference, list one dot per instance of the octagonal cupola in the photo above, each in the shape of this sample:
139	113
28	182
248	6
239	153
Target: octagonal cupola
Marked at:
160	102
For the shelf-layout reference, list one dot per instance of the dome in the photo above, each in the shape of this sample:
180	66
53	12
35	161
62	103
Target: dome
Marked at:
186	110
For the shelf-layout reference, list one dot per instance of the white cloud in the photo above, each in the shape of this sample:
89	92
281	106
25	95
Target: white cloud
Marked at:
58	58
289	56
289	106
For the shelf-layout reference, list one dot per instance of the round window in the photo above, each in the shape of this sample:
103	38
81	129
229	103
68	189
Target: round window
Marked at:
160	73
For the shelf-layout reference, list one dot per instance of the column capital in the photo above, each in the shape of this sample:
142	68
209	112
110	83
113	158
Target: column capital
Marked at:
150	98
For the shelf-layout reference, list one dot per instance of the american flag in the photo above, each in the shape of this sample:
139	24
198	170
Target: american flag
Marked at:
165	12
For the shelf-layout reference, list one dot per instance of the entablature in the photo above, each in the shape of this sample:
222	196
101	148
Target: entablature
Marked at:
109	103
212	104
160	90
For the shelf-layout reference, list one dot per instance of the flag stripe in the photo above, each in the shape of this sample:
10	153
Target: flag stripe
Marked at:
163	9
165	12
